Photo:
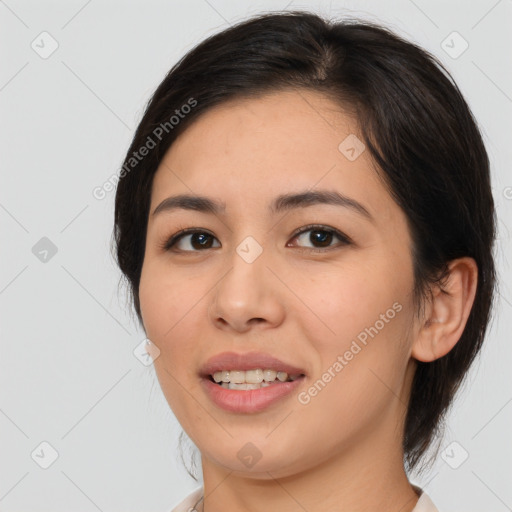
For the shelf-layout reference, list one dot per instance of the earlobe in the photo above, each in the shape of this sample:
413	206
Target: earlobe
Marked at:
447	313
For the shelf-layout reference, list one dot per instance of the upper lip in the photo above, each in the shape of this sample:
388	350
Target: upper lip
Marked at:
247	361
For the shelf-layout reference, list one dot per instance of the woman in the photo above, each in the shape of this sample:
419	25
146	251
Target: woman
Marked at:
306	223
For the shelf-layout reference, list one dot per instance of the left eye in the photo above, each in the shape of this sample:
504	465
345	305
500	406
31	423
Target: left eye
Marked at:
322	236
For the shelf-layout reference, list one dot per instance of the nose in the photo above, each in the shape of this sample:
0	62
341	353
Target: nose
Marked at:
248	295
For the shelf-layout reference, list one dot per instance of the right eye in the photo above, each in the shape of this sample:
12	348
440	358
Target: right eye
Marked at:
194	238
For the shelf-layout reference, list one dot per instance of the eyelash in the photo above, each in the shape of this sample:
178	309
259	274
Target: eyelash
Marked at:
345	240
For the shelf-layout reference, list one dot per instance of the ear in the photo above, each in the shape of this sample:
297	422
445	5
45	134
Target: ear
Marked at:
446	315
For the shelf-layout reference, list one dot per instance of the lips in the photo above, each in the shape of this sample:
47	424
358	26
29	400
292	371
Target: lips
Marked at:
250	400
247	361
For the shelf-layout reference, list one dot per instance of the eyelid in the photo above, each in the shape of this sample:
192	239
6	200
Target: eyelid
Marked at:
345	240
176	237
321	227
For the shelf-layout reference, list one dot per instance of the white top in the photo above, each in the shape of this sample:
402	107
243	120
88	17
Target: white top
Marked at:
424	504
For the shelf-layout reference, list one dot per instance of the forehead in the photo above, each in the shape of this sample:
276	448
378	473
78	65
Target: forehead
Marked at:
247	150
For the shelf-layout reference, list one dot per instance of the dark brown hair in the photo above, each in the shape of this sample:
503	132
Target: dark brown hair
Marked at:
419	130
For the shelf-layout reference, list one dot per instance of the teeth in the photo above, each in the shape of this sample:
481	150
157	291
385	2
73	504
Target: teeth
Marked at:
256	377
269	375
245	385
236	377
253	376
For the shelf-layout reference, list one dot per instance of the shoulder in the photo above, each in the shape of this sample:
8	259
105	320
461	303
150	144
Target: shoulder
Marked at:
187	505
424	503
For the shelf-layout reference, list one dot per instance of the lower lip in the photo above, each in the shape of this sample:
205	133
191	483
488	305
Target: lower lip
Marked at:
251	400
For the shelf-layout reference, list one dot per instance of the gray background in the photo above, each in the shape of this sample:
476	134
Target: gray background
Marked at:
68	374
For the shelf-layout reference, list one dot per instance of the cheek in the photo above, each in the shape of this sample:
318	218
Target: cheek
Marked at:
164	299
167	306
362	313
348	299
360	374
156	303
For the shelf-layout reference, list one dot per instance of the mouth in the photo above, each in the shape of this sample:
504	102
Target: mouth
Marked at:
249	383
249	368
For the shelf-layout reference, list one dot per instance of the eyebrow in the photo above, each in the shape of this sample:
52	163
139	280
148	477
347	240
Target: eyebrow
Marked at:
281	203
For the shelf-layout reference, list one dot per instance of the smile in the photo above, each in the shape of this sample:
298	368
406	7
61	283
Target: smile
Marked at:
251	379
250	382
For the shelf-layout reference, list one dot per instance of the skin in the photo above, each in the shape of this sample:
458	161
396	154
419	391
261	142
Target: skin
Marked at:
341	451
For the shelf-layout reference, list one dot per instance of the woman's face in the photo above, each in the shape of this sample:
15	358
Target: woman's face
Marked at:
333	301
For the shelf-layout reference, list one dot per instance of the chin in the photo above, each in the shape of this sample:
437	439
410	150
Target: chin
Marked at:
259	463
